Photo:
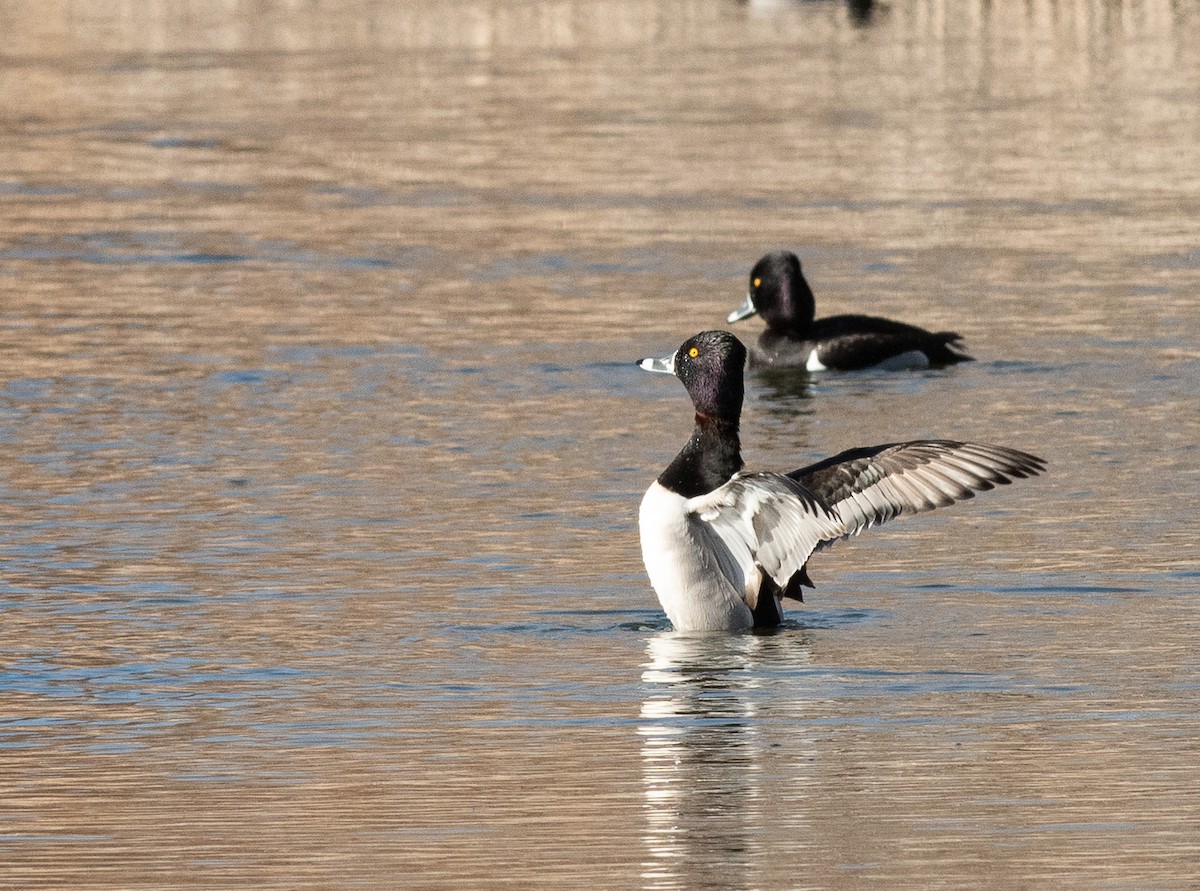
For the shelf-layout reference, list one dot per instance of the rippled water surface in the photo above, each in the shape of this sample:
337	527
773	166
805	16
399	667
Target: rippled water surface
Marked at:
321	444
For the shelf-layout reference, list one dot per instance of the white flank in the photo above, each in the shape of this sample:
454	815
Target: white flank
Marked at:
911	359
692	586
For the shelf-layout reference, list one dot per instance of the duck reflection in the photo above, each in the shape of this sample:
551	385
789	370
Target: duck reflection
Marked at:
860	11
789	387
704	754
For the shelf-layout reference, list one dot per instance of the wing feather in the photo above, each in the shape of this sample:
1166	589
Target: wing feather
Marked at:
772	523
766	520
865	487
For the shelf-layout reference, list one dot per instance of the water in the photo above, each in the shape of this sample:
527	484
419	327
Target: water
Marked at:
321	444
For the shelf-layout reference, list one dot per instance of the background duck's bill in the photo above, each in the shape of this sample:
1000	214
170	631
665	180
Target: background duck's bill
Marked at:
745	311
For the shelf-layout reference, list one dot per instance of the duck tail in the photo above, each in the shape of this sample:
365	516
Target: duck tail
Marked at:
948	349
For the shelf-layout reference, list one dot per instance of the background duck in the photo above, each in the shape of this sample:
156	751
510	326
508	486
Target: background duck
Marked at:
794	337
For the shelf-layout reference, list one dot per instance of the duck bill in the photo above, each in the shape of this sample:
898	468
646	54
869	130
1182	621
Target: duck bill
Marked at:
745	311
666	365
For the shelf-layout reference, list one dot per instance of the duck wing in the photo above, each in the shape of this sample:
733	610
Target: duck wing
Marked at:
763	523
855	341
863	487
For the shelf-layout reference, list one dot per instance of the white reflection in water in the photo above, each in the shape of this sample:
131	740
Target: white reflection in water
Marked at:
704	755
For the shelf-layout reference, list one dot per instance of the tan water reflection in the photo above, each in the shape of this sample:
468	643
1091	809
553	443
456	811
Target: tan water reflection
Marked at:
320	447
763	759
706	763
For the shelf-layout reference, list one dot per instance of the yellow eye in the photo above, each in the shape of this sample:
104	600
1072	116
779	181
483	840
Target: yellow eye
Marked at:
757	282
694	352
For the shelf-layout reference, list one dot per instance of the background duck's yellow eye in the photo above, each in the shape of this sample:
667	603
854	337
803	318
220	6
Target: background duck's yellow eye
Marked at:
757	282
694	352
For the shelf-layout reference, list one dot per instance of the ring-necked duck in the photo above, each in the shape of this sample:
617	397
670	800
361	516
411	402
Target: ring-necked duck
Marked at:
722	547
781	295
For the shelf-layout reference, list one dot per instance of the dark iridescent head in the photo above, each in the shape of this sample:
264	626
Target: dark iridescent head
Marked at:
711	366
780	294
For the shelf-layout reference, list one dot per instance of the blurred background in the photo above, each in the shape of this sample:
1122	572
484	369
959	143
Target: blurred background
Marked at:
321	443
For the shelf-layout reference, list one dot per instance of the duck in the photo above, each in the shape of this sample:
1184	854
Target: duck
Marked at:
780	294
724	546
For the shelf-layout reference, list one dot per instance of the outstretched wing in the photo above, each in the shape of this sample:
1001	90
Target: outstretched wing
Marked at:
863	487
763	520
